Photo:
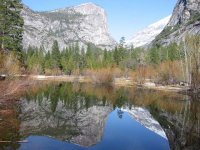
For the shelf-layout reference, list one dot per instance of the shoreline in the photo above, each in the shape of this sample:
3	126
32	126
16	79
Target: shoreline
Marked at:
122	81
168	88
13	88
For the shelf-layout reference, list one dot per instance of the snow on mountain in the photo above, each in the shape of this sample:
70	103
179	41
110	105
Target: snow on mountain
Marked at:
148	34
143	116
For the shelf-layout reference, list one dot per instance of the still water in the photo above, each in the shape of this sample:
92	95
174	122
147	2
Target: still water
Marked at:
84	116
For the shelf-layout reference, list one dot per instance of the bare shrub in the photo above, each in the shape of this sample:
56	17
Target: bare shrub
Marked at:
140	74
117	72
36	69
1	62
11	65
100	76
169	72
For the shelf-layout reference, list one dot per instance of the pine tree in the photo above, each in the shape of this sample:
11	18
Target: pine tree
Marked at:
82	64
77	54
116	56
89	56
154	55
11	26
105	55
55	53
173	52
89	51
48	62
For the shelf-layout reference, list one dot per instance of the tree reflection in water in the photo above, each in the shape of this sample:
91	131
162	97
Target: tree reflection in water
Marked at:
78	112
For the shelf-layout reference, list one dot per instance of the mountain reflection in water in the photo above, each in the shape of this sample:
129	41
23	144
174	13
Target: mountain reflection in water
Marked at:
85	116
143	116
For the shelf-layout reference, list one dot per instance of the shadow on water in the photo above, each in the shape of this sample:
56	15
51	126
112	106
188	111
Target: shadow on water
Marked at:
85	116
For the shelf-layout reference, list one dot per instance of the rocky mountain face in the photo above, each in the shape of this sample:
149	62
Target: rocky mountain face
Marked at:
184	11
84	127
143	116
86	23
148	34
185	20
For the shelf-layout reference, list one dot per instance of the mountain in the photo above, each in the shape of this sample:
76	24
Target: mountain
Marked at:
84	127
79	125
144	117
185	20
148	34
86	23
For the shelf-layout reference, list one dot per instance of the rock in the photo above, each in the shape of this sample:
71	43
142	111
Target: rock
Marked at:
183	84
149	84
84	23
2	77
184	11
84	127
185	20
144	117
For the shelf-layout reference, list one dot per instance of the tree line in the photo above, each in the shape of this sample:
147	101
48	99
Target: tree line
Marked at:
76	58
170	63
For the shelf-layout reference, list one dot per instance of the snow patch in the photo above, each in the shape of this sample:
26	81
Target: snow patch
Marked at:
148	34
143	116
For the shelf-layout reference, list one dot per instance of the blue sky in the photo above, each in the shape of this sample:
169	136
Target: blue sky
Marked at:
125	16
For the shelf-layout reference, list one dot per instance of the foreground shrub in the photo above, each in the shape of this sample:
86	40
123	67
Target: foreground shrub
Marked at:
1	62
139	75
9	64
101	76
170	72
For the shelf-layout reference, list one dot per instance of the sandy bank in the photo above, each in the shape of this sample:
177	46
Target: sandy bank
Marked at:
62	78
174	88
84	79
126	82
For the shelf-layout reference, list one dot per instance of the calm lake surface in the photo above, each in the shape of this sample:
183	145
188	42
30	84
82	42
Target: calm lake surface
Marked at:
66	116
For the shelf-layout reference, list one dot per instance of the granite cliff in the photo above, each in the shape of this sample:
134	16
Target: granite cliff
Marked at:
86	23
185	20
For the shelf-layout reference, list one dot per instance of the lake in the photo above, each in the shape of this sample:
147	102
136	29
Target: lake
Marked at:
76	116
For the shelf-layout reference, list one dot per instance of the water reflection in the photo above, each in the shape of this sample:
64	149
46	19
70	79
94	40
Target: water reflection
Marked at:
96	117
75	124
143	116
184	125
